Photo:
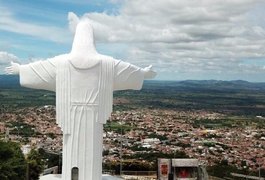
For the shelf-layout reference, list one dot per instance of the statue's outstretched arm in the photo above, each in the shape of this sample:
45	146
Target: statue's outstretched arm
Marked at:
39	74
128	76
149	73
13	68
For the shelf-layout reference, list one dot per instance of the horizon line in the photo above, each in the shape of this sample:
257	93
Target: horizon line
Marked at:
180	80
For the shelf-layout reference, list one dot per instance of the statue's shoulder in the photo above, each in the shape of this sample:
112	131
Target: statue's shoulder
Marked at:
57	60
106	57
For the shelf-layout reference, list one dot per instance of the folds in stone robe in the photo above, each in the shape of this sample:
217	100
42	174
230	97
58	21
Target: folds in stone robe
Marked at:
54	75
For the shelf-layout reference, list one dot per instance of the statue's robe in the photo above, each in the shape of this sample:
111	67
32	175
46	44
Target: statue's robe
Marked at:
84	98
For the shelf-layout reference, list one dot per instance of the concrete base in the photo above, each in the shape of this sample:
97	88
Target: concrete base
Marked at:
58	177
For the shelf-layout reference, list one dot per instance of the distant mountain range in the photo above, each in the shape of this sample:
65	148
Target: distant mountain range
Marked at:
236	84
10	81
209	85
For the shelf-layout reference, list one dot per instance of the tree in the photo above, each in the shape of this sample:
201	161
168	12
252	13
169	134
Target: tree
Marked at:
12	162
35	164
52	159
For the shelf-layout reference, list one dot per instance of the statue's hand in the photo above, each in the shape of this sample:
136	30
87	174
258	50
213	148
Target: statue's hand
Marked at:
13	69
149	73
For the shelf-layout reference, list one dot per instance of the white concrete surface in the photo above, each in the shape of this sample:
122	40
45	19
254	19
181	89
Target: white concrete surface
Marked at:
59	177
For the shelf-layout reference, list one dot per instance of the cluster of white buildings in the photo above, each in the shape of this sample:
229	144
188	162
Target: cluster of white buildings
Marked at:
146	130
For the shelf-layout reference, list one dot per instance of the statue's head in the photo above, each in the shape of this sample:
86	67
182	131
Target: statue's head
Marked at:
85	28
84	36
81	26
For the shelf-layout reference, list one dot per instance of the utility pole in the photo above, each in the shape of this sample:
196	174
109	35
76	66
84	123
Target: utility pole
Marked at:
121	154
121	123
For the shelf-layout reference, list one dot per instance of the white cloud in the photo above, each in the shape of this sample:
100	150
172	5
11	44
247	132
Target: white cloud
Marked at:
6	58
8	22
186	36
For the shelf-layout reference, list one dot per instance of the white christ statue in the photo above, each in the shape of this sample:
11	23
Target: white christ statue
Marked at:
84	81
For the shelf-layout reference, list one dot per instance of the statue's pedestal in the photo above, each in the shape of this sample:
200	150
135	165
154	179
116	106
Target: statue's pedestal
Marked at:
58	177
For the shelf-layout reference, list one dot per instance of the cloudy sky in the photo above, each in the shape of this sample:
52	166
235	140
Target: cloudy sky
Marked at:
191	39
